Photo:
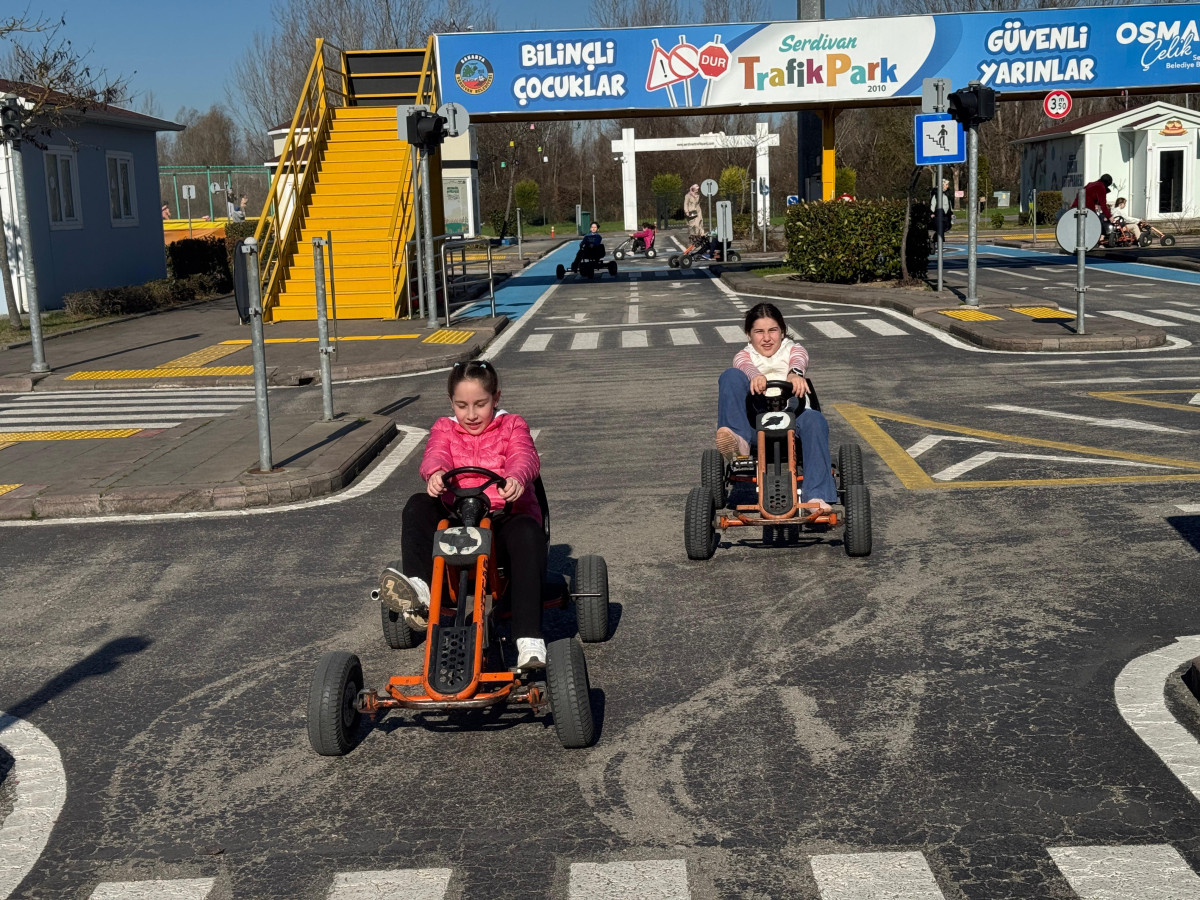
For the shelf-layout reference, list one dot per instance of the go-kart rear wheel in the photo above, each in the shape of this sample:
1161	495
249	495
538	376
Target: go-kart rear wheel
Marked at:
333	714
699	533
712	475
587	270
673	260
591	598
612	269
685	261
733	256
570	693
850	467
651	253
561	272
618	254
396	631
1168	240
1145	240
857	537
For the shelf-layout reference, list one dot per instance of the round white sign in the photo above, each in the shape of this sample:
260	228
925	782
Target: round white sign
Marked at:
1057	104
1068	230
708	187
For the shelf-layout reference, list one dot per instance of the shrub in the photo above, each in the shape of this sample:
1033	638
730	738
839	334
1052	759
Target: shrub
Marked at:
997	220
742	224
845	181
667	185
139	298
500	225
525	195
235	231
199	256
847	243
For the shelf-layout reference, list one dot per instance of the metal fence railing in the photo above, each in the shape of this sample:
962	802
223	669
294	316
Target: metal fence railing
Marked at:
464	265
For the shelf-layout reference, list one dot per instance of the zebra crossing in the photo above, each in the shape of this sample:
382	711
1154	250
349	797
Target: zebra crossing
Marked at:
1162	317
632	335
1145	872
86	411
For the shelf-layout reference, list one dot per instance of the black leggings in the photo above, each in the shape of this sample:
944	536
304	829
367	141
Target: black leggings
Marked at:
520	547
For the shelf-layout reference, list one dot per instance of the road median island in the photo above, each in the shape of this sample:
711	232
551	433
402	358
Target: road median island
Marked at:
1009	322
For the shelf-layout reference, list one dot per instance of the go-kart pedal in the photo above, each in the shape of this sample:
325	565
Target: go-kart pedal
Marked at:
453	663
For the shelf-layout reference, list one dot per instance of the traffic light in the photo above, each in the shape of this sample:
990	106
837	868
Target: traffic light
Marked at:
426	129
973	105
10	120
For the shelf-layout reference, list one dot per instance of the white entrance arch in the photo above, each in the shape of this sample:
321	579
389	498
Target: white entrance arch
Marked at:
628	148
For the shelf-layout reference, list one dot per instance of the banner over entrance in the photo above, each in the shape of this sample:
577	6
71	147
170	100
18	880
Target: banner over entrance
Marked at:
834	62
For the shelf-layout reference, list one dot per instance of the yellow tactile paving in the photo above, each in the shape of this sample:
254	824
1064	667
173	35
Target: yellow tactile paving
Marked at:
5	488
15	436
313	340
969	315
447	336
191	372
1043	312
200	357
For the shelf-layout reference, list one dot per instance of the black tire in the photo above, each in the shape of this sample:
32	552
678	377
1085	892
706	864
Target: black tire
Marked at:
618	254
673	261
1145	240
561	272
699	535
591	578
612	269
1168	240
570	693
651	253
733	256
685	262
857	537
396	631
712	475
333	716
850	466
587	270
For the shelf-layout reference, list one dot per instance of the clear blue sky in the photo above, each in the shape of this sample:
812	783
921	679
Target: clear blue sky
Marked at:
183	52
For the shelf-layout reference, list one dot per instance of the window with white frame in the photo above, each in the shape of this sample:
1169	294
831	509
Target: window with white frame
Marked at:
62	189
122	197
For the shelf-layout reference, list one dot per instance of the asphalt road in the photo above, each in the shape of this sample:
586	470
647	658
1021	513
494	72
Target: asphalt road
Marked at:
773	721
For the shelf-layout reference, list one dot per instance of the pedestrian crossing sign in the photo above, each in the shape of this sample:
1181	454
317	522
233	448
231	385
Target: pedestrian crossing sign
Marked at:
939	140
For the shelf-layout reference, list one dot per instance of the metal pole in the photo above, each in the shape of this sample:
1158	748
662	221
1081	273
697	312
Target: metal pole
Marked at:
593	196
972	212
1033	216
430	273
258	348
323	328
38	366
520	252
1080	261
766	219
416	201
446	281
332	291
940	219
212	213
491	279
175	183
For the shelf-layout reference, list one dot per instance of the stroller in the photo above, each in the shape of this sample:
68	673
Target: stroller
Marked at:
705	246
638	242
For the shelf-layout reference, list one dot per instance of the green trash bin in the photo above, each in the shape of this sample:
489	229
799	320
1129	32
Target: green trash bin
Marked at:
585	222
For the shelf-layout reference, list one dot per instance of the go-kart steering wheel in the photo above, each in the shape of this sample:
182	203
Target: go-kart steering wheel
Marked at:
462	493
776	394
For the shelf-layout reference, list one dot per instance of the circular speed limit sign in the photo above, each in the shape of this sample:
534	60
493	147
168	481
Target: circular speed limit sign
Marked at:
1057	104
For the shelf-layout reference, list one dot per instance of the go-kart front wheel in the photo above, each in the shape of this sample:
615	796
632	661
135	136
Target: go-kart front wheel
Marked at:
850	467
712	475
591	598
396	631
857	537
570	693
333	714
618	254
561	272
699	533
651	253
1168	240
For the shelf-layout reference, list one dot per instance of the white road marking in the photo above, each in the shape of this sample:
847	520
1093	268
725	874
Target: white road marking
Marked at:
1195	401
982	459
1173	343
631	314
586	340
76	410
928	442
1137	317
875	876
413	438
1189	508
684	337
1140	698
731	334
887	329
1131	424
399	884
688	313
158	889
41	789
625	325
1124	379
634	339
535	342
664	879
1020	275
1148	872
1178	303
832	329
1176	314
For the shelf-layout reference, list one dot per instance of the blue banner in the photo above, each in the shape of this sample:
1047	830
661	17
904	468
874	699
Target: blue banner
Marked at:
842	61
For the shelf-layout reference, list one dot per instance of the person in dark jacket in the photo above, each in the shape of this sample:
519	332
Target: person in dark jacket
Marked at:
1095	195
591	248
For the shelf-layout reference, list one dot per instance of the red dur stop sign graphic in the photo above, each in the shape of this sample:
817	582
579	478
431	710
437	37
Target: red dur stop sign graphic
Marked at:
714	60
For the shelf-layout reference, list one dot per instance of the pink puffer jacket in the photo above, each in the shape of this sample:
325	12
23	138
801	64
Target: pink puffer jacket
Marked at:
505	447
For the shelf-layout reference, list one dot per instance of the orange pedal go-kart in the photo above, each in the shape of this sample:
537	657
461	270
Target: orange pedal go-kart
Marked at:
464	656
774	470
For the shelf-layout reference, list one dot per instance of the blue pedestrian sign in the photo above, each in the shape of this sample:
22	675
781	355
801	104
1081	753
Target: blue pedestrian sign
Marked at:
793	199
939	140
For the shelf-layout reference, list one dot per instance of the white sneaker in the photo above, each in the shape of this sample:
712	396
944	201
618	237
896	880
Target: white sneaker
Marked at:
406	595
531	653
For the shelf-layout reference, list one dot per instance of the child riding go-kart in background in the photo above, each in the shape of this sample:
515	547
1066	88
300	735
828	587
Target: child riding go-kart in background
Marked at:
591	248
643	240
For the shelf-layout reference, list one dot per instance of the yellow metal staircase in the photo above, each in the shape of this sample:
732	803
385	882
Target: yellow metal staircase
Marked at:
345	173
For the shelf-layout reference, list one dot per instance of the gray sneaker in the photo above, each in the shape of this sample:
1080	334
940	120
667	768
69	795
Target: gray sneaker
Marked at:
406	595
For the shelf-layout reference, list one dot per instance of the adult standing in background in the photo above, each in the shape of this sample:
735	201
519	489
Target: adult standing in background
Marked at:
942	206
691	211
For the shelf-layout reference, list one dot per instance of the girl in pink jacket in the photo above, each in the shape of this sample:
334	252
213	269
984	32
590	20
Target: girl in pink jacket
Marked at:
478	434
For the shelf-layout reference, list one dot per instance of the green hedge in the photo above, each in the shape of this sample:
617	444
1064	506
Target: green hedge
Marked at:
1048	205
199	256
842	242
138	298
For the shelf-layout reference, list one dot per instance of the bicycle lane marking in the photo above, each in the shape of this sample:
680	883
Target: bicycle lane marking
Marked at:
41	791
1140	698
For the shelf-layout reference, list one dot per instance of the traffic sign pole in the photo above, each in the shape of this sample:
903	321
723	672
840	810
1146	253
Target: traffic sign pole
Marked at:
1080	260
972	213
934	94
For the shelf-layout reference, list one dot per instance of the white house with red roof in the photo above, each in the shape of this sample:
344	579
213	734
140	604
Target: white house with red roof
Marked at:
1150	151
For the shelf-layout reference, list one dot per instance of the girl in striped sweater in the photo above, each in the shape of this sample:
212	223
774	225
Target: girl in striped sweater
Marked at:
772	356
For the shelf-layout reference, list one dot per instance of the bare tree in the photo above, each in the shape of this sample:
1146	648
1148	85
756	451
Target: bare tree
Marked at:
56	85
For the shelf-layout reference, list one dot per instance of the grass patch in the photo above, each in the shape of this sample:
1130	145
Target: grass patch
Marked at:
774	270
55	320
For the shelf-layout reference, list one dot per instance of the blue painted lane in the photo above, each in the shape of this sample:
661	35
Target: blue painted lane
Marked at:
517	294
1135	270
